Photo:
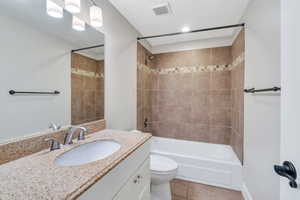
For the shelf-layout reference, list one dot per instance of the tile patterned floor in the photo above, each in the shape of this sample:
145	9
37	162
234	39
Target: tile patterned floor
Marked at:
184	190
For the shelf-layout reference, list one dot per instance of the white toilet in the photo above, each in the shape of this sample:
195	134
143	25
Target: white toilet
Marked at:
163	170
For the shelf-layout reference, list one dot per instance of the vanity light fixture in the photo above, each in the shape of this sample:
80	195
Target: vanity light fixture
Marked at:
73	6
96	16
78	24
54	10
185	29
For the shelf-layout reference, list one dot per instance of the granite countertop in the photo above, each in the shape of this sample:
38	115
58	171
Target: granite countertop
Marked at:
38	177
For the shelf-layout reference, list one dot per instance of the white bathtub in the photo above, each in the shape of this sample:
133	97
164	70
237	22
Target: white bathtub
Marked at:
200	162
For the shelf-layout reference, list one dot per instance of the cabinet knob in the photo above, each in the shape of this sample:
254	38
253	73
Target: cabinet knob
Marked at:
135	181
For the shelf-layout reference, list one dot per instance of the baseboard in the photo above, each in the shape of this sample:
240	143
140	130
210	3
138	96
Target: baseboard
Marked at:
246	193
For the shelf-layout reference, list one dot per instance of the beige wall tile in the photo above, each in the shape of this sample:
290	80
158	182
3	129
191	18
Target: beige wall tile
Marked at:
220	99
184	82
87	93
220	80
201	81
239	44
195	106
219	134
199	132
221	55
174	197
147	85
214	56
237	94
220	116
167	97
200	114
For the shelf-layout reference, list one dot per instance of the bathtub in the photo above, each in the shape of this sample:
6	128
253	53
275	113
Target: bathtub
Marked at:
200	162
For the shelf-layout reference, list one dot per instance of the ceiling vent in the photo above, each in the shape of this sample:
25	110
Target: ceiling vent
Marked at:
162	9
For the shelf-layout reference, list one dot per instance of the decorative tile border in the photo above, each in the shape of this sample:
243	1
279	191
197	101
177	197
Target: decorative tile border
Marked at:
145	68
193	69
238	61
90	74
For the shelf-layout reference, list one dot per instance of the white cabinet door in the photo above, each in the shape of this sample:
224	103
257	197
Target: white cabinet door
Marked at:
145	194
138	186
144	181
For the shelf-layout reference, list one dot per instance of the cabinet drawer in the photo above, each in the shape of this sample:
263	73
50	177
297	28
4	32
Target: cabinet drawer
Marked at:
138	186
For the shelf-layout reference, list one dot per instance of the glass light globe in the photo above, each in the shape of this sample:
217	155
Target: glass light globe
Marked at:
96	16
78	24
54	10
73	6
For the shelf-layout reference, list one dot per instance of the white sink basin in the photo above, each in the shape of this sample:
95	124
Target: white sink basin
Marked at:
88	153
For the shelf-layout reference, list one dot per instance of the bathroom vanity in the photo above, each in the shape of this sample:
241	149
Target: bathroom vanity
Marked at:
129	180
123	175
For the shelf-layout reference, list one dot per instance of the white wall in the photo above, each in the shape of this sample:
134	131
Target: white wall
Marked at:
31	60
191	45
290	108
262	112
120	70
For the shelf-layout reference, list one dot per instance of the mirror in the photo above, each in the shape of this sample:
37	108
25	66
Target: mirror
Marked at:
49	72
87	83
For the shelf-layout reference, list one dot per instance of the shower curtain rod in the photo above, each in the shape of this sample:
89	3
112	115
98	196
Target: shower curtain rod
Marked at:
193	31
85	48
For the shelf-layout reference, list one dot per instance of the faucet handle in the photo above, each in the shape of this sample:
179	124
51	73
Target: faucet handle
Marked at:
54	144
58	127
81	135
69	135
54	126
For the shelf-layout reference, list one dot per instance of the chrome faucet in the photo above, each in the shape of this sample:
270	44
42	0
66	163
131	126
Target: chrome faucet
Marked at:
54	126
72	131
54	144
82	133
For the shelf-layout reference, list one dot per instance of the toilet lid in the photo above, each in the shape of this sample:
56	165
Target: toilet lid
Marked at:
162	164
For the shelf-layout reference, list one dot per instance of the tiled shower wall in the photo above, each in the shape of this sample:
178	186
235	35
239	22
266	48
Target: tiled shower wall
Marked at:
144	86
192	95
192	104
237	92
87	92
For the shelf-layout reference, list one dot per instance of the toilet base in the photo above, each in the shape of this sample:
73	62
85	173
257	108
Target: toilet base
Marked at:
161	191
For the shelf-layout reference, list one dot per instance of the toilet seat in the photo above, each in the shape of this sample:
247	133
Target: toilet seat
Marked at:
162	165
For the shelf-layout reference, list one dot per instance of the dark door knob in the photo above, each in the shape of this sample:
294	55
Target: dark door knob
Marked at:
287	170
